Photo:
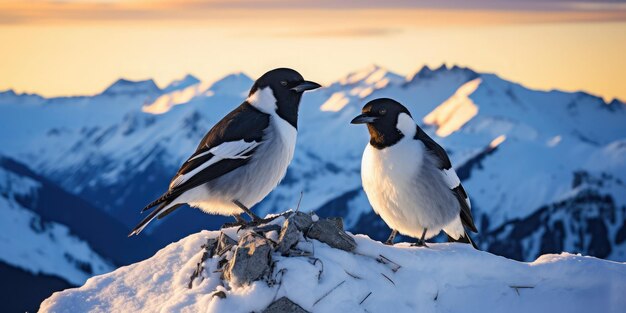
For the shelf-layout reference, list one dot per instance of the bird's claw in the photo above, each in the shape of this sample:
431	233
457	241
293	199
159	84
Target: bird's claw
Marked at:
234	224
256	222
420	243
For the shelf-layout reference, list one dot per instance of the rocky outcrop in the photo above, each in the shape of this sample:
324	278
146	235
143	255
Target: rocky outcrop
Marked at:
249	259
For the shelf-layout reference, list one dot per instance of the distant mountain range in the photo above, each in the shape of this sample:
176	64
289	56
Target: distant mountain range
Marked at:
545	170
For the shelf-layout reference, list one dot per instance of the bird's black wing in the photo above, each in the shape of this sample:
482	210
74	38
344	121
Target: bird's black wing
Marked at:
227	146
450	177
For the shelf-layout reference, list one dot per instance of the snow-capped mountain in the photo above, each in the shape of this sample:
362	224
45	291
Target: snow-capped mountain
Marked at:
52	240
519	152
128	87
38	245
45	253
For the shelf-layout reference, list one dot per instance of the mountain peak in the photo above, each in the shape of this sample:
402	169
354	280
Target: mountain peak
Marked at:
617	103
130	87
367	74
188	80
10	95
8	92
427	73
234	83
371	77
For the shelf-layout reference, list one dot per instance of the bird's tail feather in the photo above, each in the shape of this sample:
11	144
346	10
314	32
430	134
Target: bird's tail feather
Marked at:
464	239
161	209
166	212
163	198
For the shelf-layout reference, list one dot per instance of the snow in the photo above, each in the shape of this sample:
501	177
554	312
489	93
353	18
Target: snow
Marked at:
124	86
190	88
40	246
178	96
497	141
335	103
446	277
452	114
188	80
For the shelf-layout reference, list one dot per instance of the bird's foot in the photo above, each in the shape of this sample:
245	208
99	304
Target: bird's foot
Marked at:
257	221
266	220
234	224
239	221
389	243
420	243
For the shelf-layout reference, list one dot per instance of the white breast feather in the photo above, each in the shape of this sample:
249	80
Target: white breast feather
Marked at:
391	180
266	168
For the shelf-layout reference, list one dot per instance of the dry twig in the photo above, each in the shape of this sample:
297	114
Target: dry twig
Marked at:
328	292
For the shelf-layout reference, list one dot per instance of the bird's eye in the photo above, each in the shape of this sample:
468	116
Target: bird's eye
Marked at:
382	112
284	83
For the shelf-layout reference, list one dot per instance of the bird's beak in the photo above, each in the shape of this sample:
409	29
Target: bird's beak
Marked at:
363	119
306	85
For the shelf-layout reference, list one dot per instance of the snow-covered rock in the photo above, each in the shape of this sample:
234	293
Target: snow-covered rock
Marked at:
447	277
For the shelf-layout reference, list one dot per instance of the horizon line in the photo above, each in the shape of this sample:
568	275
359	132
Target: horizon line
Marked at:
445	65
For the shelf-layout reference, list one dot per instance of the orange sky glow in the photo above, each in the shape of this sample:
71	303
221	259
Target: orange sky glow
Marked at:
80	46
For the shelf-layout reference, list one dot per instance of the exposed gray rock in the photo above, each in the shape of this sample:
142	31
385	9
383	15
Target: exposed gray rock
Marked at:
220	294
209	249
289	236
224	243
251	260
338	221
284	305
266	228
330	231
252	257
302	220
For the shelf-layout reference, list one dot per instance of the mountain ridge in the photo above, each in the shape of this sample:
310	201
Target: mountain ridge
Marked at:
128	154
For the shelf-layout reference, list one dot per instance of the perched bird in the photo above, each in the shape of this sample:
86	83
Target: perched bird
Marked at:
244	156
408	178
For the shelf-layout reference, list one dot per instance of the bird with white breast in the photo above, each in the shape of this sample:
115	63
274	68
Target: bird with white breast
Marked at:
243	157
408	177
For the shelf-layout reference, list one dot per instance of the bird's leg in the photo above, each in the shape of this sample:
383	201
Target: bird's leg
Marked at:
392	236
239	221
421	242
244	208
256	220
239	218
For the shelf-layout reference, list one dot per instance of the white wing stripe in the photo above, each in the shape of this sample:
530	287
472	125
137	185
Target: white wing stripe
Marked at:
451	178
200	155
453	181
226	150
234	149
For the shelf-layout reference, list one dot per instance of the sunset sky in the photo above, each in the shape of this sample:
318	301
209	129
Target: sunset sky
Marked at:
80	46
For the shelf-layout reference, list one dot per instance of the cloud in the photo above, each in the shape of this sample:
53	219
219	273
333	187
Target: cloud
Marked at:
529	5
342	32
216	11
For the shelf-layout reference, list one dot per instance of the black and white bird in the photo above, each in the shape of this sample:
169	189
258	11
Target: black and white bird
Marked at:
408	177
244	156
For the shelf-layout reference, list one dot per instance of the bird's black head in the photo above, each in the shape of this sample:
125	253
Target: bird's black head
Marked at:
382	116
280	90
